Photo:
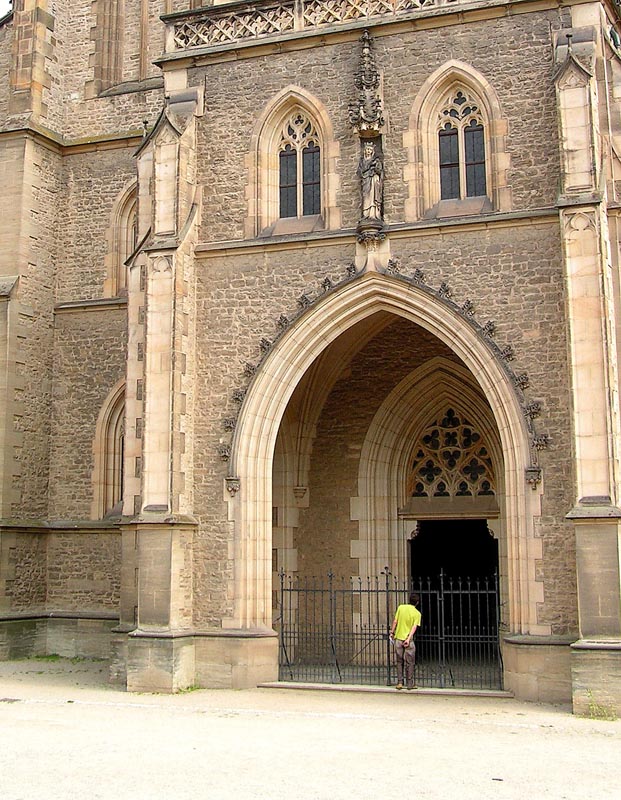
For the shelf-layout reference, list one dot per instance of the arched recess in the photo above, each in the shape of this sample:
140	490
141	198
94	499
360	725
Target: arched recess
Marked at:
296	436
388	450
122	239
262	191
422	172
107	478
265	404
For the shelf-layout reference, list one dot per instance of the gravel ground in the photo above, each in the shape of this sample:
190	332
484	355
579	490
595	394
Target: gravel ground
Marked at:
66	734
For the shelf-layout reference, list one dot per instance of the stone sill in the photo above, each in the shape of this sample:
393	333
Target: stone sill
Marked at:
58	526
539	641
220	633
397	230
22	616
131	87
598	644
100	304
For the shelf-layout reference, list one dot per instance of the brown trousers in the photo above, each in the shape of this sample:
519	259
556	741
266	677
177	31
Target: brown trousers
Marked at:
405	656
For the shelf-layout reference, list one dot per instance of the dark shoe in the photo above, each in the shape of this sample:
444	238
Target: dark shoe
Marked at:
413	686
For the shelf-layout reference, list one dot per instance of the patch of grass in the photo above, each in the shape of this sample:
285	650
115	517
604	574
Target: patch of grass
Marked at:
600	711
53	657
189	689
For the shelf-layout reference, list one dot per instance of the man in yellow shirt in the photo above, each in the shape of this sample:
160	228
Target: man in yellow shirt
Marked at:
406	621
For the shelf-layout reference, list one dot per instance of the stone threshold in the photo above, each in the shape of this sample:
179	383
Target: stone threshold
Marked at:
347	687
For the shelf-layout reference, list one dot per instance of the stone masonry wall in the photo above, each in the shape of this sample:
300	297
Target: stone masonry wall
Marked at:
90	353
521	75
83	571
92	184
23	563
36	297
105	115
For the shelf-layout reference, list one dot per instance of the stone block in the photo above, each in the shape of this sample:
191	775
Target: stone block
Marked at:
158	664
596	678
538	670
236	661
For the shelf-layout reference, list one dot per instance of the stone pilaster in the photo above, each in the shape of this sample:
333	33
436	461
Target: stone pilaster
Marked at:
34	28
596	657
156	590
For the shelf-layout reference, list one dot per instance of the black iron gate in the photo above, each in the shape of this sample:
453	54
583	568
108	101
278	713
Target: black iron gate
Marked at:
336	630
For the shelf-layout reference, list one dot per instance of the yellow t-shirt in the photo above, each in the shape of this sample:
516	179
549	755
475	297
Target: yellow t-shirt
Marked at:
407	616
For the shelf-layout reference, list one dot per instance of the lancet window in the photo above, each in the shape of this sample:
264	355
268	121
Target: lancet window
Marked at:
461	143
451	460
299	167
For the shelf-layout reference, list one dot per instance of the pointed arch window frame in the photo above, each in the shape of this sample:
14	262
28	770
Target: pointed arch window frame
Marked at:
422	173
122	240
263	190
109	453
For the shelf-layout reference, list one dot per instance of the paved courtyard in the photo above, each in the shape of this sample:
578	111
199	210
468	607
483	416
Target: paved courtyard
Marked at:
66	734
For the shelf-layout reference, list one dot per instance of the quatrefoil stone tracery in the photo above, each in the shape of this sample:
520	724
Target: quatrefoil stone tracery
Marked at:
451	460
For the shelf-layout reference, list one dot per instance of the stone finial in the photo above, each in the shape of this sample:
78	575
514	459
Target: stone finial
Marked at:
521	381
467	308
366	113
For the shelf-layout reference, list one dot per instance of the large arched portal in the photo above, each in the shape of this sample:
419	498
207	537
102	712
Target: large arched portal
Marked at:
325	447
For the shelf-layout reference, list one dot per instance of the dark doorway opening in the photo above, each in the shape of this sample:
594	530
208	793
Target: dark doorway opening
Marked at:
454	568
458	548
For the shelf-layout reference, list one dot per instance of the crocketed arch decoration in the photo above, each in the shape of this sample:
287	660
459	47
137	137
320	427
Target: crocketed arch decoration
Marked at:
265	403
451	460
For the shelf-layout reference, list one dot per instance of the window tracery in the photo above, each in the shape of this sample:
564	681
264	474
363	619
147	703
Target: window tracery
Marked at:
451	460
461	142
292	178
458	159
299	167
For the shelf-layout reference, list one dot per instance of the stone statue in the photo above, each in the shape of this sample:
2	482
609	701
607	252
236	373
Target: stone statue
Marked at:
371	174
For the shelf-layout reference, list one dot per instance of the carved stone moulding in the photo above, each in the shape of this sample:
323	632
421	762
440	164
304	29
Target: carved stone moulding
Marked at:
370	233
533	476
232	485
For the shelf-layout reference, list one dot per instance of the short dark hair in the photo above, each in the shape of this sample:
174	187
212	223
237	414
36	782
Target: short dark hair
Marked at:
414	599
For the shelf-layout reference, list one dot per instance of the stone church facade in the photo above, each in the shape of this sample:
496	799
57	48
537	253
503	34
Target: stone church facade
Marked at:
281	281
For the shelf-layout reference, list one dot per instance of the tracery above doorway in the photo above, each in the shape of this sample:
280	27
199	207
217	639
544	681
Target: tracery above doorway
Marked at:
451	459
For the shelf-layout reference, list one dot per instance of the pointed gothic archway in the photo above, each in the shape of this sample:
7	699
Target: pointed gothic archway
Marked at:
265	405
